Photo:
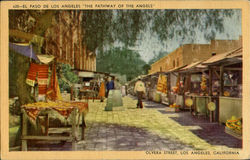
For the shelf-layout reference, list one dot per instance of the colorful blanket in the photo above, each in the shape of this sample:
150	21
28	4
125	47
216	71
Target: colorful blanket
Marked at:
39	71
63	108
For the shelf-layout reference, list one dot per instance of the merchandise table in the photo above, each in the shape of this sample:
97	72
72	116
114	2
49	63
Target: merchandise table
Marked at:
31	112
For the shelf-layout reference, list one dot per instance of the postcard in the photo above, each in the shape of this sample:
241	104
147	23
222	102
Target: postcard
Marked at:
125	80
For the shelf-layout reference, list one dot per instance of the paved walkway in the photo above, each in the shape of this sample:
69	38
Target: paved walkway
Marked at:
155	127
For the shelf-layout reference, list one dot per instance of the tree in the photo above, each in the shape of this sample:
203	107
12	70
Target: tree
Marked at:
157	57
68	77
184	23
121	61
146	68
104	27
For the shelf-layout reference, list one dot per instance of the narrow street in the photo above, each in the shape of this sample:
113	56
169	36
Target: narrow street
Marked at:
155	127
74	77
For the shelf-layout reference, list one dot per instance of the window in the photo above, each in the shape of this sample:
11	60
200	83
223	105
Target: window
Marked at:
174	63
177	62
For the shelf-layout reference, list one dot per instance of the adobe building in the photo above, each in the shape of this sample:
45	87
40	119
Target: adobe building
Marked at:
189	53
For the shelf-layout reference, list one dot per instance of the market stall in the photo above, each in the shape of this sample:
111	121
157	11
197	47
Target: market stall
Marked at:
39	92
32	112
49	99
90	82
175	87
194	77
42	79
156	87
227	85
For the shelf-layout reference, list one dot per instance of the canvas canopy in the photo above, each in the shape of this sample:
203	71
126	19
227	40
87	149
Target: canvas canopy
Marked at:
223	56
24	49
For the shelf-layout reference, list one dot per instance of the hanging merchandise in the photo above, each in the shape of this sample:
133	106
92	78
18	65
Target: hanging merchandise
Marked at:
211	106
189	102
177	89
32	73
53	92
42	79
162	84
203	83
40	72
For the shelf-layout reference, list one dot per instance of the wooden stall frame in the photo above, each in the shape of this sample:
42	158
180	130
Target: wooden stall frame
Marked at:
72	137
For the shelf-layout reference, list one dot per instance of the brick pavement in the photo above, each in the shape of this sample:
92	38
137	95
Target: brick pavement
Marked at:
213	133
155	127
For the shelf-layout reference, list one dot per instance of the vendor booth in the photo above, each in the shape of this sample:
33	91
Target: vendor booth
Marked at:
194	77
227	84
175	88
36	117
48	100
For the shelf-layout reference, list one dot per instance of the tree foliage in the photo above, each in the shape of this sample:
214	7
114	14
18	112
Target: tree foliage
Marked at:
104	27
121	61
31	21
66	71
184	23
157	56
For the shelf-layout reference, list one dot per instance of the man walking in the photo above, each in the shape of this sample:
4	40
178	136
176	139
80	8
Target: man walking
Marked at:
139	90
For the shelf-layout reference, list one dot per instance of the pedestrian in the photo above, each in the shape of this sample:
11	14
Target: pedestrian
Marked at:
102	90
123	90
109	85
112	83
139	90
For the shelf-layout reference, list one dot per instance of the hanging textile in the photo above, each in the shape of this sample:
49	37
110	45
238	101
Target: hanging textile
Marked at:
32	73
24	49
53	92
39	72
162	84
32	110
42	79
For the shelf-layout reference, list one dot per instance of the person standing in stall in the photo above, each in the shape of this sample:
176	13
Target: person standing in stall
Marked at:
139	90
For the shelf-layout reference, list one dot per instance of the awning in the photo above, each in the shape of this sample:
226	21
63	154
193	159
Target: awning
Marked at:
227	55
86	74
236	53
194	67
191	65
176	69
24	49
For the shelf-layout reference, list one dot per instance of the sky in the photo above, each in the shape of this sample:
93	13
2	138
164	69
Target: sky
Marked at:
150	45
